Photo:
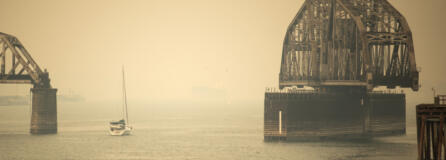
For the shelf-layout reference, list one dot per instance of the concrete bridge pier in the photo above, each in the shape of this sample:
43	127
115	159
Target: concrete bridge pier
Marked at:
44	111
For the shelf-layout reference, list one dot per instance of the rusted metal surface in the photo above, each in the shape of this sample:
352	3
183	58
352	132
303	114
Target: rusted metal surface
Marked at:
348	43
431	129
17	65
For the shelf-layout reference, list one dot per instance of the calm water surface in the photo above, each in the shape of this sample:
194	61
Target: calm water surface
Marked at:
178	132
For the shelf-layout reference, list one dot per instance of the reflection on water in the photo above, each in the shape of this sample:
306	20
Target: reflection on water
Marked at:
177	132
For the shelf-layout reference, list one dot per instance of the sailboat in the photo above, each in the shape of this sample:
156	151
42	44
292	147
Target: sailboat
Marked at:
122	127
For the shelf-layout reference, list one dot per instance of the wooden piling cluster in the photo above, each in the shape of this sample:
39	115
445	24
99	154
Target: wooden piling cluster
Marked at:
431	129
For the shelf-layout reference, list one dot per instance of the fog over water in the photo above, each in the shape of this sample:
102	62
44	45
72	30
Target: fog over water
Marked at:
189	131
196	73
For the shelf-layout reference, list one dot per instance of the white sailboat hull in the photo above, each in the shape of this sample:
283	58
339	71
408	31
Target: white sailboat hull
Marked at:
121	132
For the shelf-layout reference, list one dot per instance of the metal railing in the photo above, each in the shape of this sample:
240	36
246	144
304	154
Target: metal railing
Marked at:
440	99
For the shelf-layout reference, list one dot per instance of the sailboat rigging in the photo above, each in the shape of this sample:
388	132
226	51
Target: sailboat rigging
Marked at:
122	127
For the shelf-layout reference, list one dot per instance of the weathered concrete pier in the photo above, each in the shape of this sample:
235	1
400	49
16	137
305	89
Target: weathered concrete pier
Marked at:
44	111
22	69
342	49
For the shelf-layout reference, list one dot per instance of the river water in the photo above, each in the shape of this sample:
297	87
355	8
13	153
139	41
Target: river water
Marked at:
179	131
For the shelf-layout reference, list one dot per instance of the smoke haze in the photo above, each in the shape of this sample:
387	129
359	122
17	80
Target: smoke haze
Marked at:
176	50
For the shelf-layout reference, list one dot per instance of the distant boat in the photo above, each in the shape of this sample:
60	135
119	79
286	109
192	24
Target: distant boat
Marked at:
122	127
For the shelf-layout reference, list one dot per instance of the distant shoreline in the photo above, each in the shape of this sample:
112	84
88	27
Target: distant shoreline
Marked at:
14	100
25	100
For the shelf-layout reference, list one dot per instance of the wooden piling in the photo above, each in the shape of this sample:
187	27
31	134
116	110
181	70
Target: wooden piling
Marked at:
430	129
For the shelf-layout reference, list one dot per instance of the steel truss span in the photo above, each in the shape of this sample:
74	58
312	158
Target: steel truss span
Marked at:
17	65
340	42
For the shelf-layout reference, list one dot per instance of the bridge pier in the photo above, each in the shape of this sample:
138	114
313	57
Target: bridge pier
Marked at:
314	115
44	111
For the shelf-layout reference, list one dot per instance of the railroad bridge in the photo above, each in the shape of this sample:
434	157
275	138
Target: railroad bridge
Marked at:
18	67
343	49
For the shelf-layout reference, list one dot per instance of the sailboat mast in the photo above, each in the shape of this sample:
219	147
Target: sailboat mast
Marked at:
125	96
122	96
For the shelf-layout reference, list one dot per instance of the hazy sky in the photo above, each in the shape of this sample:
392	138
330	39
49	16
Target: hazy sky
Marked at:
172	47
